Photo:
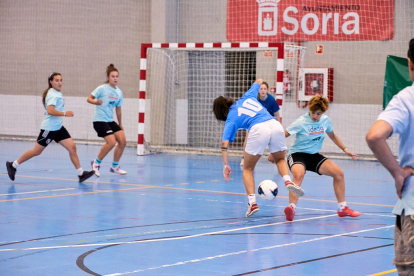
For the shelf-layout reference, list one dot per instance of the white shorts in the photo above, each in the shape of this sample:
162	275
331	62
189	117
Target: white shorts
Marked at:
269	133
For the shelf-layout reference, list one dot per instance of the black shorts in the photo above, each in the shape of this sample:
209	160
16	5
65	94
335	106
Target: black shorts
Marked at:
311	162
104	129
47	136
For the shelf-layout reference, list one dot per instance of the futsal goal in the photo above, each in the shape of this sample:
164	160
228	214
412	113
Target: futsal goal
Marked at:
179	82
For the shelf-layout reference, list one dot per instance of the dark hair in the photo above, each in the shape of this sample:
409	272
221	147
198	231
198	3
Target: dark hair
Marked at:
49	79
410	53
265	83
109	69
221	107
318	102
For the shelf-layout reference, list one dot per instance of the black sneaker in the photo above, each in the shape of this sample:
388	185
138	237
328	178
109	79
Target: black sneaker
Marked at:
85	175
10	170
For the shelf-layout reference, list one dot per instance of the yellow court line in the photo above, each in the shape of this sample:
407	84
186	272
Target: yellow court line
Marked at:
383	273
87	193
194	190
75	180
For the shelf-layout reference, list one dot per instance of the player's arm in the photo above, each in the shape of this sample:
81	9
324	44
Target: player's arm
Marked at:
118	112
226	167
287	134
52	111
341	145
92	100
277	115
377	141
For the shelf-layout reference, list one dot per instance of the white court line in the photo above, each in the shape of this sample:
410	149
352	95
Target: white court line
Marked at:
34	192
164	239
245	251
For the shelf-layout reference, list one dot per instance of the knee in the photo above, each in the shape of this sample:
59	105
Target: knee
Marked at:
298	176
122	143
37	152
339	175
72	149
111	143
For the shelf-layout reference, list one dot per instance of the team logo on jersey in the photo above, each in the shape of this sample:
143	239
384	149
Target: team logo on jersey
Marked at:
315	130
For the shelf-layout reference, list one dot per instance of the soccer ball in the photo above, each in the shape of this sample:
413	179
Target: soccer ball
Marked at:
267	189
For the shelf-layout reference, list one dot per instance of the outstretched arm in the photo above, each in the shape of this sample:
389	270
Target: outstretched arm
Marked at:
376	139
339	143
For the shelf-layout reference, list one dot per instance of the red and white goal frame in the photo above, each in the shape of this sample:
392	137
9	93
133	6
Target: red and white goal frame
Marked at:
198	46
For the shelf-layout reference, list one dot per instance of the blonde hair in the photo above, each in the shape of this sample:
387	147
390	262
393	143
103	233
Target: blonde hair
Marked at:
318	102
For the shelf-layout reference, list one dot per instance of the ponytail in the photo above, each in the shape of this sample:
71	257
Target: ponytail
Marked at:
49	79
221	107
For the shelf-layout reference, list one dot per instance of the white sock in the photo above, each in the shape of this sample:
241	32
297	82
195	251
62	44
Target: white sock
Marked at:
293	205
341	205
80	171
252	198
15	164
287	178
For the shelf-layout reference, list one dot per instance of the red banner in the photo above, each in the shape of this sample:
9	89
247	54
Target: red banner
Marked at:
310	20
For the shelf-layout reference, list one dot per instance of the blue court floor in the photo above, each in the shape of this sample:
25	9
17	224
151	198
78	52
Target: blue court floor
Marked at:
173	214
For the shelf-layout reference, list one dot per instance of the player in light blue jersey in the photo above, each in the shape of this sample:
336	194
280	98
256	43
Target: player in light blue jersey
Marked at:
304	154
247	113
106	97
52	129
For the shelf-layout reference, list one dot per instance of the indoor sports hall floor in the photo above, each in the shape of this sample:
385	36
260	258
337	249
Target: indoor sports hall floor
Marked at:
174	214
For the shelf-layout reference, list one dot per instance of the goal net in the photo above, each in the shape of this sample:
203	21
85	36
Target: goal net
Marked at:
179	83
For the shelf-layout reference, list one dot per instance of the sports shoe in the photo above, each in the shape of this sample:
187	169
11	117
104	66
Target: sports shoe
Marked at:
251	209
117	170
289	213
242	162
294	188
348	212
10	170
95	167
85	175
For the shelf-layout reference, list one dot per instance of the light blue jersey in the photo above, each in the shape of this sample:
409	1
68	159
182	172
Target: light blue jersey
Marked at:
399	114
245	113
309	134
53	123
111	98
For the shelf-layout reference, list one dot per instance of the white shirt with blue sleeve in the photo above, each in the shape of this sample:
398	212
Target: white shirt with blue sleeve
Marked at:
111	98
53	123
399	113
309	134
244	114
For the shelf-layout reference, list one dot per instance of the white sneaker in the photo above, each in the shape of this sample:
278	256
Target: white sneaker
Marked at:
96	167
242	162
117	170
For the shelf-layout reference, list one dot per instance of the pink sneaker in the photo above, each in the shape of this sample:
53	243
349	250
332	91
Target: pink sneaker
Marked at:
290	213
348	212
117	170
294	188
251	209
95	167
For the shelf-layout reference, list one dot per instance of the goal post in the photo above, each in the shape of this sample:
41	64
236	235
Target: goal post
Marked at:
179	81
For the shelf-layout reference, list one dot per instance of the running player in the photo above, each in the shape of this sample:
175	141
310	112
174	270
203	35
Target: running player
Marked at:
52	129
304	154
106	97
264	130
